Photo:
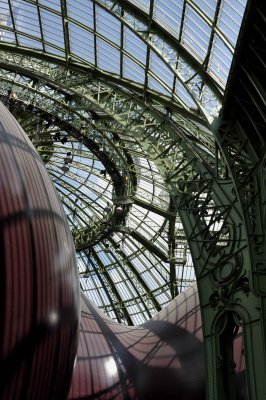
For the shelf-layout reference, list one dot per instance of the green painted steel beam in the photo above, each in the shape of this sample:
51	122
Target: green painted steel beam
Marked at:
20	59
156	209
65	30
149	245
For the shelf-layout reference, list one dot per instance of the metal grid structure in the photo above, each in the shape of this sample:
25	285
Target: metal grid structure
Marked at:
118	97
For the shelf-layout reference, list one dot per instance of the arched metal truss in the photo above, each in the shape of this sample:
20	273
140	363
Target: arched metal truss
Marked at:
186	159
182	51
134	119
136	99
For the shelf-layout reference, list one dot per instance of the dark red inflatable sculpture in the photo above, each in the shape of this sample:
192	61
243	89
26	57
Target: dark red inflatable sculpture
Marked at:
39	283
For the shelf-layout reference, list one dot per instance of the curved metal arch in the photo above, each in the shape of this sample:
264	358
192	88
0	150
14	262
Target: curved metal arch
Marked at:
118	9
148	28
151	126
159	49
72	119
45	64
196	133
106	99
153	135
86	237
42	104
202	192
58	112
207	195
135	279
159	46
163	47
56	77
174	101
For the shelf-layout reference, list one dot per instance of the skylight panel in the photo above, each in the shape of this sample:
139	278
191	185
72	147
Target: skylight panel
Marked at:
126	290
108	26
93	293
150	280
133	71
26	19
27	25
129	245
145	260
163	298
7	17
28	42
184	96
144	162
104	258
196	34
92	290
157	86
78	171
69	181
146	231
146	185
135	46
138	319
52	28
5	14
82	11
234	10
161	243
188	273
155	219
7	36
206	6
54	4
81	42
6	21
153	166
117	276
103	294
220	61
138	265
230	18
161	70
169	13
108	57
142	4
157	277
228	30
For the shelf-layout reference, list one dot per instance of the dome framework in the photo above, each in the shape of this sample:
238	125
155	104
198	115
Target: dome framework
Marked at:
137	100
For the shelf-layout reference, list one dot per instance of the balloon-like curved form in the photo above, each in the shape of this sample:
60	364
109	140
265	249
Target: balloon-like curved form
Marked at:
162	359
39	283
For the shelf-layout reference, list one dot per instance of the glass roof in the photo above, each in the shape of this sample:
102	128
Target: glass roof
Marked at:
181	49
132	252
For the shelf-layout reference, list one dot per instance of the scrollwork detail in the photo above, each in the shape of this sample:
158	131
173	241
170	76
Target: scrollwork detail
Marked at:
227	279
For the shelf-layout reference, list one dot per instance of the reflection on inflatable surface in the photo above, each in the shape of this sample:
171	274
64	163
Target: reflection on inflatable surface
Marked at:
162	359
